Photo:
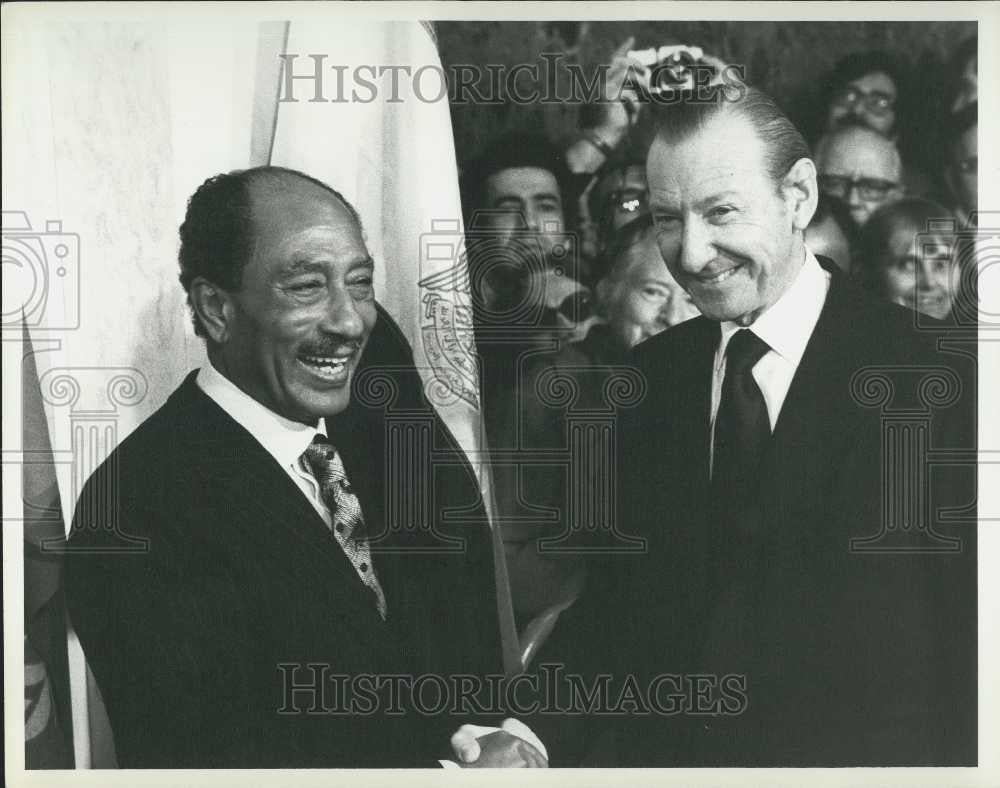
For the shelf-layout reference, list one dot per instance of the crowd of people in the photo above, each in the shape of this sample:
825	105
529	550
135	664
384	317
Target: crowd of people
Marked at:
567	273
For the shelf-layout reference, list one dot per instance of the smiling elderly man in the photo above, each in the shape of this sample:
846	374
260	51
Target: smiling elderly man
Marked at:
277	570
860	167
754	469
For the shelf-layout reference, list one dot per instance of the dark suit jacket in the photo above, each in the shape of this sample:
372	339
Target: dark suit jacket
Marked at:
849	657
240	576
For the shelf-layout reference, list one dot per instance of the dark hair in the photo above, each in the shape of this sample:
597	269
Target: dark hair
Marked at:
873	239
619	242
217	235
783	142
511	150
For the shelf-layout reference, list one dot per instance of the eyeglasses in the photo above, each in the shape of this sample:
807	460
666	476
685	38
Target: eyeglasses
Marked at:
876	101
868	188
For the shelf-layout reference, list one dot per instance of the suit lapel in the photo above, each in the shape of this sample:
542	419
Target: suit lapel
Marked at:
813	429
674	433
700	393
245	476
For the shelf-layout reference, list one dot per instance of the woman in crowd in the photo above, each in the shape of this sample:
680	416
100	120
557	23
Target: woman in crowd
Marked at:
906	255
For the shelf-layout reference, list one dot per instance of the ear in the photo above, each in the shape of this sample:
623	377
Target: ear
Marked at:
801	192
214	307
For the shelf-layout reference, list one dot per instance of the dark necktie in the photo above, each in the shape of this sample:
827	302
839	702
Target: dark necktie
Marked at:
742	432
348	524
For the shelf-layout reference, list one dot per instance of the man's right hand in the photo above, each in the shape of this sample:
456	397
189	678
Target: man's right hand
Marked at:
620	104
513	746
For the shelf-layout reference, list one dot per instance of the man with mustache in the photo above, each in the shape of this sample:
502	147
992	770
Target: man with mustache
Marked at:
277	564
754	469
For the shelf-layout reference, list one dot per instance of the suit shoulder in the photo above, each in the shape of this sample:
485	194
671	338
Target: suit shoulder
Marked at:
676	341
892	332
163	427
131	466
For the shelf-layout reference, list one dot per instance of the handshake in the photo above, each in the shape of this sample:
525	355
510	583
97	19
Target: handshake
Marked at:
511	746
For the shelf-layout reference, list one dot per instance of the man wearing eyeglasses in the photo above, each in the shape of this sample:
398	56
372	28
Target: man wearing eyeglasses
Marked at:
861	167
869	98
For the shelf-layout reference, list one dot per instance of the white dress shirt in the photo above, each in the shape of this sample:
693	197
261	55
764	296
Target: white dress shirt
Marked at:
284	439
785	326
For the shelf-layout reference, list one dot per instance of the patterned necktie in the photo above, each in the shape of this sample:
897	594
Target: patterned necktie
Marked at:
742	432
348	523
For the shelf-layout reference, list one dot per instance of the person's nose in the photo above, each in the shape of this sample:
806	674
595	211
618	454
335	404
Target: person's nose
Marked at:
853	196
532	219
696	249
931	275
342	317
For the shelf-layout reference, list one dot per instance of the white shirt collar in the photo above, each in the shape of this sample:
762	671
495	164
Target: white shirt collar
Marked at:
284	439
788	323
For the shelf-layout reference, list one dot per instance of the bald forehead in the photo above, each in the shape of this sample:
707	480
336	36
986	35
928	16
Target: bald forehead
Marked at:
270	189
861	151
283	203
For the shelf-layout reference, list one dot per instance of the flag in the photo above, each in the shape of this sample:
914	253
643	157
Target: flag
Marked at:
47	735
382	136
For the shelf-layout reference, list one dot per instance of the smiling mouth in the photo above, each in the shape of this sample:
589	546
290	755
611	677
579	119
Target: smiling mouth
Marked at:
332	369
717	279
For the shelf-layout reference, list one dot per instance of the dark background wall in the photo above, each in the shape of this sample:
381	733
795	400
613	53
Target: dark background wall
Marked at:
786	59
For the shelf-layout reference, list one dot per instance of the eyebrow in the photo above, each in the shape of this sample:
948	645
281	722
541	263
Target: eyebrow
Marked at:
520	199
714	198
658	205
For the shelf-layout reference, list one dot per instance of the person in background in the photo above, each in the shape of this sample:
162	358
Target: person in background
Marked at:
618	197
638	295
832	231
861	167
905	255
966	67
864	87
530	306
515	195
961	163
873	89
